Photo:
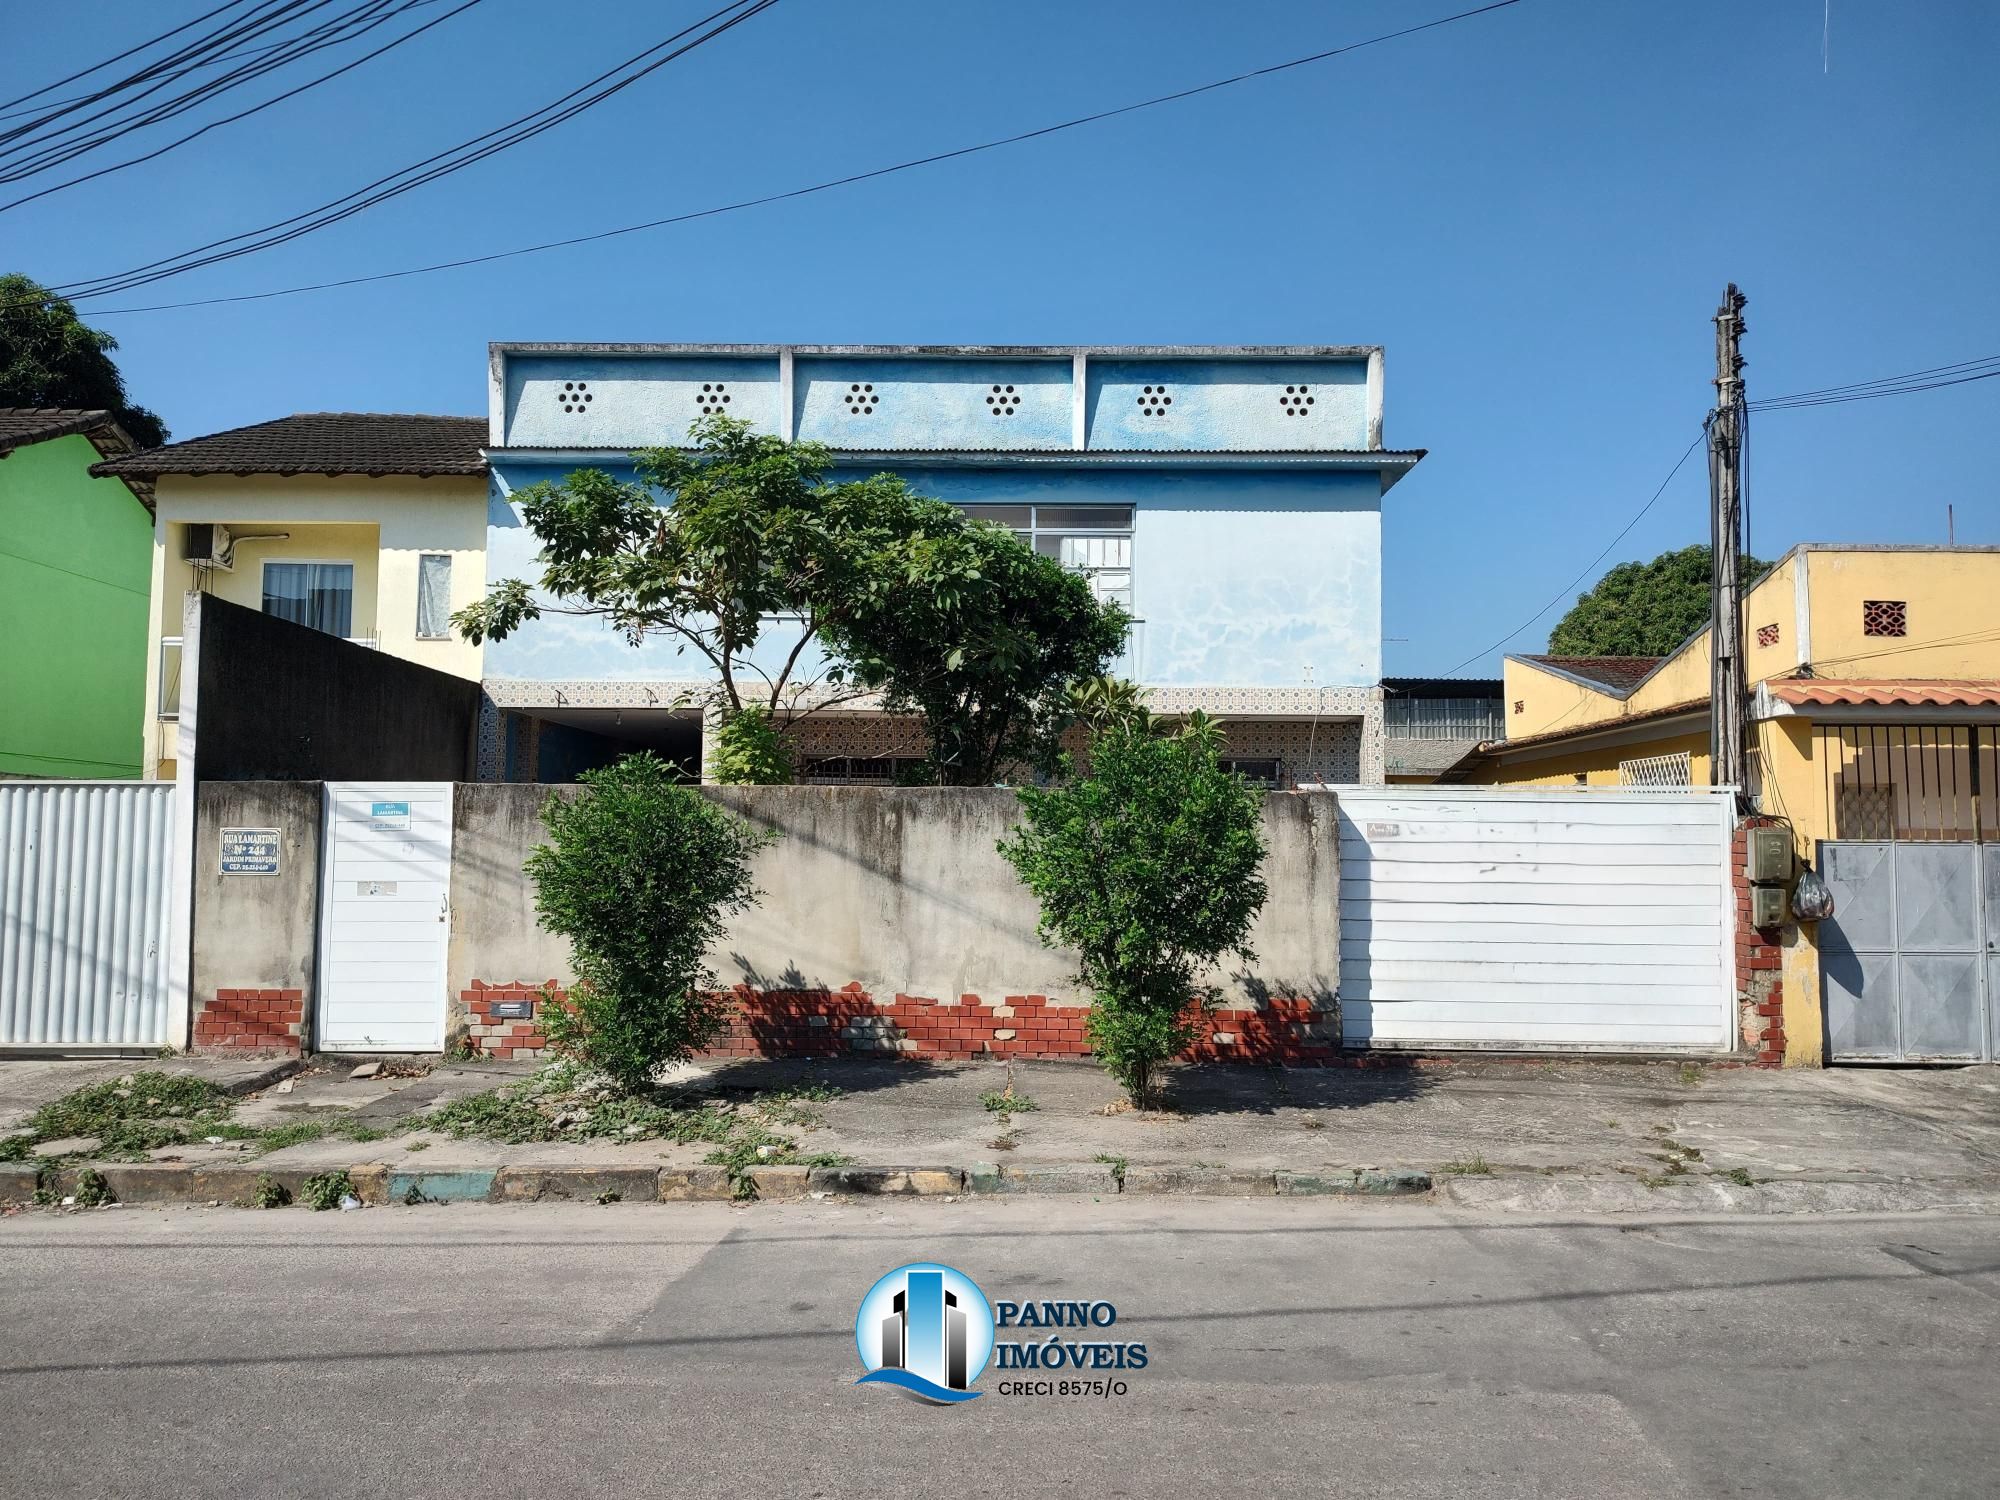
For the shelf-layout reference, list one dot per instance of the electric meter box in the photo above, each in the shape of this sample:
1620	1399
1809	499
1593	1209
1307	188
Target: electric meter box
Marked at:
1767	906
1770	854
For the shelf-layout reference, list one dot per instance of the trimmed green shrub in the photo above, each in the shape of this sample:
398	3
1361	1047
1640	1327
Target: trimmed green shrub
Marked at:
639	873
1148	867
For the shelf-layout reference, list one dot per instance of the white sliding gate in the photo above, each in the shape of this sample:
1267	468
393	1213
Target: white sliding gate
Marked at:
1480	917
83	913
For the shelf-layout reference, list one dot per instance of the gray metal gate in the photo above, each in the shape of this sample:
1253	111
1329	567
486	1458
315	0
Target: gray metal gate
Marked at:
1910	960
83	913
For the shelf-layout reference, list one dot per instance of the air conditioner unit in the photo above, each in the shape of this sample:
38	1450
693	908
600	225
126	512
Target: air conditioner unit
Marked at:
208	544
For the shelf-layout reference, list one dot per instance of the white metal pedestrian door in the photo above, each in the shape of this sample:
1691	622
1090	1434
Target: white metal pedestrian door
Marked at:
1535	919
385	886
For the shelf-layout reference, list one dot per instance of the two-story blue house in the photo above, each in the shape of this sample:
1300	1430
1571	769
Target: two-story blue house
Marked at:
1230	497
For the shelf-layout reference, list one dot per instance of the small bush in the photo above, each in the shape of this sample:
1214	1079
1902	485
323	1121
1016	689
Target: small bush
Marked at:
271	1193
1148	867
639	873
92	1191
324	1190
749	751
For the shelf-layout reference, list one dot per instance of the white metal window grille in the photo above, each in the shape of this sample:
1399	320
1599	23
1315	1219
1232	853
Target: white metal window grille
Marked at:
1096	540
434	596
859	770
1657	771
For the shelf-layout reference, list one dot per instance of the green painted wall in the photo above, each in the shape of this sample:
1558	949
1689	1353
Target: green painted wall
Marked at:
76	565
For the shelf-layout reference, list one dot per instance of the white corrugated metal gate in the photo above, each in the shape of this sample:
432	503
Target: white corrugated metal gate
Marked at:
83	913
1535	920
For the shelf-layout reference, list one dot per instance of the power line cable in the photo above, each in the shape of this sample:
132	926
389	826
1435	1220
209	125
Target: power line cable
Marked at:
822	187
14	114
267	17
98	67
1564	592
28	157
1872	395
290	93
447	162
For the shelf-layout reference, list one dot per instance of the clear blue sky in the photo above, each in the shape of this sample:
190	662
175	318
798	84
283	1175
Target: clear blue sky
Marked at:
1535	211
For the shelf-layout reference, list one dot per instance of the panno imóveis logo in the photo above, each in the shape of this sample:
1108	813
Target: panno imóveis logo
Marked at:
926	1329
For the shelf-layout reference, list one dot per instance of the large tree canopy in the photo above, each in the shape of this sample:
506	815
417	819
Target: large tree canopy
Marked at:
742	539
1644	608
50	358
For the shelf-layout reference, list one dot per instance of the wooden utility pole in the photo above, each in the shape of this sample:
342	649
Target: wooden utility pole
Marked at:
1728	687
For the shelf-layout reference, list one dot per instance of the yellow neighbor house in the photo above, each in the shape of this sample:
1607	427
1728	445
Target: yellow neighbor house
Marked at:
365	525
1876	715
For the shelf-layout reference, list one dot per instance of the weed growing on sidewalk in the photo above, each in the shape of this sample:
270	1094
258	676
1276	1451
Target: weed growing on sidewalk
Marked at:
1469	1166
565	1102
270	1193
132	1115
324	1190
1118	1164
92	1191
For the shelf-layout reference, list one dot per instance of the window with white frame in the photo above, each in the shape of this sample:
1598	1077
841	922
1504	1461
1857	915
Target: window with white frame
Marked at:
1096	540
434	596
319	595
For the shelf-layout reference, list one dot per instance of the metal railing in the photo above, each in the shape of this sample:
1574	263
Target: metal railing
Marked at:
1912	783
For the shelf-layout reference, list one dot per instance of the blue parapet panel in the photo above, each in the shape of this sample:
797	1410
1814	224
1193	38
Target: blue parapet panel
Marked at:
587	400
867	402
1228	405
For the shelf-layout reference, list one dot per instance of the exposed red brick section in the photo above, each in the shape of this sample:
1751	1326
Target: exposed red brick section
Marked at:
503	1036
1760	985
850	1021
263	1020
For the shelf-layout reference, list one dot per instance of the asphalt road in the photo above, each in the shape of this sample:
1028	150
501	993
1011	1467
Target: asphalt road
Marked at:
1297	1348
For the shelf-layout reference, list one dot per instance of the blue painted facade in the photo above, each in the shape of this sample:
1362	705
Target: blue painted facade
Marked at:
1254	477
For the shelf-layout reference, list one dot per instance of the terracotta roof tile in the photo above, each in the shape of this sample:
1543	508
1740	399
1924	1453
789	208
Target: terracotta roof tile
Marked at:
1938	692
323	442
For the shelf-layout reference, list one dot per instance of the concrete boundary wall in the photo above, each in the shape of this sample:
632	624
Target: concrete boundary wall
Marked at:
899	891
888	921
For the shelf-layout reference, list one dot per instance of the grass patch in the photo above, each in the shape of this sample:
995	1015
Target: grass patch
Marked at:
1467	1166
1691	1074
1118	1164
563	1103
133	1115
1740	1176
1007	1102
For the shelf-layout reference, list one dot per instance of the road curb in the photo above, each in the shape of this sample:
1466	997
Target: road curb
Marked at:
1530	1193
154	1183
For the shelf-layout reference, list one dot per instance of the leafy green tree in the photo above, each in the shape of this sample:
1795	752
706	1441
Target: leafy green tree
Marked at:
866	586
983	642
1148	868
1100	703
639	873
48	357
1644	609
712	547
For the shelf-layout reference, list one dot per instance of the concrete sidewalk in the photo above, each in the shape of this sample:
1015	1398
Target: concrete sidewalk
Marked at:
1507	1134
